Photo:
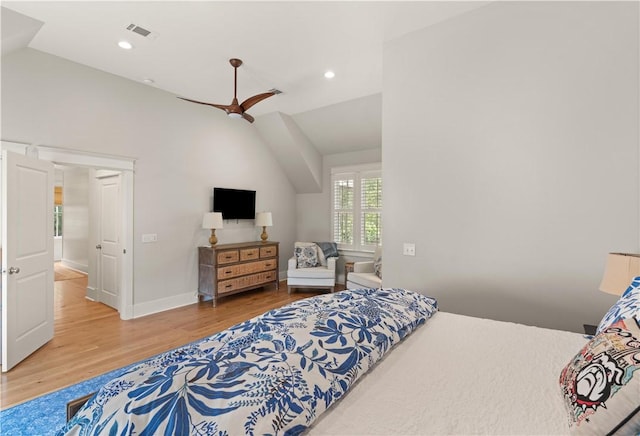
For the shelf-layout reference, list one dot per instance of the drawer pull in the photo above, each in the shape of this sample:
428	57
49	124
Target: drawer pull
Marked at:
227	286
228	272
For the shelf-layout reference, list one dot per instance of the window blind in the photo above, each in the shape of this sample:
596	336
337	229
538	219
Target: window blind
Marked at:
343	208
371	210
357	208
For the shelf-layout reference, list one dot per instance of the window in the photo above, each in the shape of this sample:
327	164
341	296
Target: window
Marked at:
57	220
357	207
57	211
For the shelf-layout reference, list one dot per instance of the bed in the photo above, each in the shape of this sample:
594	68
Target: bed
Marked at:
304	368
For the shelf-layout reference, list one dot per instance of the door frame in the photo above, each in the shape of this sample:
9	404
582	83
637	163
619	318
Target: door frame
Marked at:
125	165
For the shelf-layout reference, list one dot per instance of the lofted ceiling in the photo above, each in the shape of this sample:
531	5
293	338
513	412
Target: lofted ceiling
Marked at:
284	45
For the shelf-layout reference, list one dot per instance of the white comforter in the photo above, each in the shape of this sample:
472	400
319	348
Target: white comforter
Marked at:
461	375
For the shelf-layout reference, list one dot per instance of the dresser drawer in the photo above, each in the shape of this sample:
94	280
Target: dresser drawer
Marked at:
227	272
268	264
268	251
249	254
228	257
226	286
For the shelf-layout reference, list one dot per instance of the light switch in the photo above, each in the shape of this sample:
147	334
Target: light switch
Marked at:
409	249
149	237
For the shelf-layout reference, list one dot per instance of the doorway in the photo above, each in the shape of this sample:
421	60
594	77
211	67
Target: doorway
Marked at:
99	166
87	226
71	220
36	161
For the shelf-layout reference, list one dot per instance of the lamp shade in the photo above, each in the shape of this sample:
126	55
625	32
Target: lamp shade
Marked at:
620	271
212	220
263	219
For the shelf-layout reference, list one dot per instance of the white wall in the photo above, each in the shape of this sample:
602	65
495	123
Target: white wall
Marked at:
75	219
182	151
514	168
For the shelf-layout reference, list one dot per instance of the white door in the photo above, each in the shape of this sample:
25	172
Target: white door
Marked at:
109	247
27	256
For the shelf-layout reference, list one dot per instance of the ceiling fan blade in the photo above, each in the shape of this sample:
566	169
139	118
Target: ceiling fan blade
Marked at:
255	99
248	117
219	106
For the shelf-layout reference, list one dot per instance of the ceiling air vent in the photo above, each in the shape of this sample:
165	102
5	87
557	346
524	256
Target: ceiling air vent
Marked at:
139	30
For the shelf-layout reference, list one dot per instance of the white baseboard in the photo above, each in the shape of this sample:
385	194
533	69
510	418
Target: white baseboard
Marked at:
92	293
162	304
75	266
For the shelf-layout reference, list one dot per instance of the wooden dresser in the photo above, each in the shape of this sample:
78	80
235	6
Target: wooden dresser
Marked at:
231	268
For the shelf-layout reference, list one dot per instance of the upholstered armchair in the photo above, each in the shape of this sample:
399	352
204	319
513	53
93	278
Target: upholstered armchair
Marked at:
308	268
367	274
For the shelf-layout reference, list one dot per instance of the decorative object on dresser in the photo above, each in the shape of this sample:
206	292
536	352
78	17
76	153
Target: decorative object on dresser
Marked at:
227	269
213	221
264	220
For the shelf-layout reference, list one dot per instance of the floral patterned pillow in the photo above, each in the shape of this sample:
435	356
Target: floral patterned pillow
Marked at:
626	307
377	262
306	254
601	384
377	266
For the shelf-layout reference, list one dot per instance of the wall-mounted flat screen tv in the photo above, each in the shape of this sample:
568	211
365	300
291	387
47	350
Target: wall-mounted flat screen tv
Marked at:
235	204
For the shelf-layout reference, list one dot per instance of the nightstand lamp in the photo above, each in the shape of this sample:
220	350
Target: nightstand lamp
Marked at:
621	269
213	221
264	220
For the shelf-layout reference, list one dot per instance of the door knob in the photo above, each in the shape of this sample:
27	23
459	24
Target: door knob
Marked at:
99	247
14	270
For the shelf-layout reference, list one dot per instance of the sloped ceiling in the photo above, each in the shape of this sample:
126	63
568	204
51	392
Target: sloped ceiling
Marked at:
284	45
17	30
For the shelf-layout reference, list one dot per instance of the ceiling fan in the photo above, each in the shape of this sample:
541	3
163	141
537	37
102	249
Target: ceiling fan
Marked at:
235	110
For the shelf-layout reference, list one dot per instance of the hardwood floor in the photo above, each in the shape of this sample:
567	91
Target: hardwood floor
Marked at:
91	339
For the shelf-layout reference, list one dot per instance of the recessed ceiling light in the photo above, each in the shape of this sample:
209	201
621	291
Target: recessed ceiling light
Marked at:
148	81
125	45
329	74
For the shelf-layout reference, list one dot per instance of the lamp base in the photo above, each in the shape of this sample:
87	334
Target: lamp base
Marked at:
213	240
264	235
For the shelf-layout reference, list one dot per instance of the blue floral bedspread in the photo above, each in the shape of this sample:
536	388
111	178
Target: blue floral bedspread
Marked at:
274	374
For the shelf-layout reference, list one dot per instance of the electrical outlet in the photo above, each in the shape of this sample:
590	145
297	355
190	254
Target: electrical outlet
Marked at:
149	237
409	249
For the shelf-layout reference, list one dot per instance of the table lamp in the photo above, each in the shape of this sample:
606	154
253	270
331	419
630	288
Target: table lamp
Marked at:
213	221
620	271
264	220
